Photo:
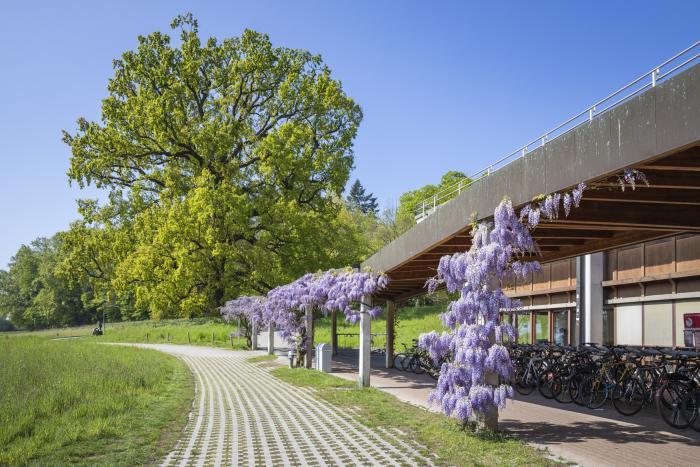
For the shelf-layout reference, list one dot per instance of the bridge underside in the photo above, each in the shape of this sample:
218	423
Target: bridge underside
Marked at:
607	218
657	132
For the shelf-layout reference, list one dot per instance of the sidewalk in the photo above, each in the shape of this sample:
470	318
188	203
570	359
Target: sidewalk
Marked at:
587	437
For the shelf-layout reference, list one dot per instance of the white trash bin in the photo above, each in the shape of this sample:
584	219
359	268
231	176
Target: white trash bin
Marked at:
323	358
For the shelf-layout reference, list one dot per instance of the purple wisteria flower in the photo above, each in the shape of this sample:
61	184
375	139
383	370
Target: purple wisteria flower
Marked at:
476	335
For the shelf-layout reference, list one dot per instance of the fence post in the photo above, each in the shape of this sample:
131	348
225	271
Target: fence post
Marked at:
146	337
231	338
212	339
189	340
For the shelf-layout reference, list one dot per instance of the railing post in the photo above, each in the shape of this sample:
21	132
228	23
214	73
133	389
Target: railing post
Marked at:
459	187
434	201
591	111
653	77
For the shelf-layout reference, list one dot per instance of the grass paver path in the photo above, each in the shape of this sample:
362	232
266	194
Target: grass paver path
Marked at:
242	415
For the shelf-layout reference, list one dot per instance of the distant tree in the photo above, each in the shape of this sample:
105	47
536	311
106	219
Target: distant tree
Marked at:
34	295
411	201
359	199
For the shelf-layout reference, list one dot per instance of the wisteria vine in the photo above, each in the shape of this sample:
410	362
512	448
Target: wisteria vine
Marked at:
249	310
473	348
288	306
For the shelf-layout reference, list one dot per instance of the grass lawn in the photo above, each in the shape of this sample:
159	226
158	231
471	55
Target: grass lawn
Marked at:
441	435
175	331
75	402
410	323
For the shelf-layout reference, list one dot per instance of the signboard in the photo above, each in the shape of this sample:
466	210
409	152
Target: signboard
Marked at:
691	333
691	320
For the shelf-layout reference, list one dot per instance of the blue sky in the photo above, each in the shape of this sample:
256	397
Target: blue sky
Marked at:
443	85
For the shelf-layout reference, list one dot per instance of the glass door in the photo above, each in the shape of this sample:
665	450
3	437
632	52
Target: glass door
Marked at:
542	327
561	327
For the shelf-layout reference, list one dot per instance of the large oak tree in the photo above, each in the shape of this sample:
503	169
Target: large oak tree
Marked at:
224	162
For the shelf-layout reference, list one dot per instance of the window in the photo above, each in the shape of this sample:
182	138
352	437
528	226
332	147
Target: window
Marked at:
608	326
561	327
524	328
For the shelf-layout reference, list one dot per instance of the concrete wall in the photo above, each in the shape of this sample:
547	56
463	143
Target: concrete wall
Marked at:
661	120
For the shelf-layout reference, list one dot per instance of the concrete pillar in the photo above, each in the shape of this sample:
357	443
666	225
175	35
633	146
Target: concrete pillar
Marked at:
489	421
334	333
365	342
253	336
271	339
589	298
309	338
389	334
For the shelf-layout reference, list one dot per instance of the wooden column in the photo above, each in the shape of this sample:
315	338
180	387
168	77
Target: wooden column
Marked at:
309	338
334	333
389	334
365	342
271	339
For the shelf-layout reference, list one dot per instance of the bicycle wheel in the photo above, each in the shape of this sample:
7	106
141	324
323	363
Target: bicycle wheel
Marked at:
598	394
690	408
579	389
561	390
415	366
668	403
544	385
522	383
629	396
399	360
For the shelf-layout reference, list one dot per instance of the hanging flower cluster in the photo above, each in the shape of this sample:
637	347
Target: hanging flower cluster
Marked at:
476	336
334	290
630	177
549	206
249	310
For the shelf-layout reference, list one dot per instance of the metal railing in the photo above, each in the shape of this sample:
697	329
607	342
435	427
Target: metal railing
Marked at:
672	66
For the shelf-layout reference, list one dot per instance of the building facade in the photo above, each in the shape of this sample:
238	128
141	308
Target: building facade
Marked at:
635	295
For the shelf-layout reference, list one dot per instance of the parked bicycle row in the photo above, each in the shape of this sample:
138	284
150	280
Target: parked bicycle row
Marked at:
590	375
416	360
630	378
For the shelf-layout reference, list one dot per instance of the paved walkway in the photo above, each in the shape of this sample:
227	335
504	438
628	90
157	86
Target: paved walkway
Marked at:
587	437
242	415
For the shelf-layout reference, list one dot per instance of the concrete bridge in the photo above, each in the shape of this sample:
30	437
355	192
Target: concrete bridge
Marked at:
656	130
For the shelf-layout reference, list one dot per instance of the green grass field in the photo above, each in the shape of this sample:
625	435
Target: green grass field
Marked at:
75	402
441	435
410	323
174	331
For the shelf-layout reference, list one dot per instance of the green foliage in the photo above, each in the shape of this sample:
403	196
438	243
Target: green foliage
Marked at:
33	294
441	435
72	402
359	199
224	162
412	200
